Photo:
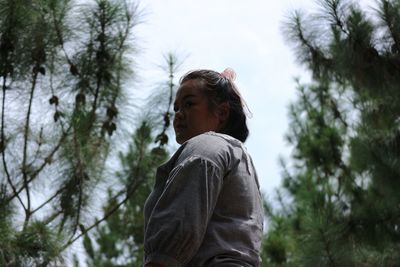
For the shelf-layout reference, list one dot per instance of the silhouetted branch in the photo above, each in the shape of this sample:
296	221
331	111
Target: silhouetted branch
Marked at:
25	149
3	145
129	192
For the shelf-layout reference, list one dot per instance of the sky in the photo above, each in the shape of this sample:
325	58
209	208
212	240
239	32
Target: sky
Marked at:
246	36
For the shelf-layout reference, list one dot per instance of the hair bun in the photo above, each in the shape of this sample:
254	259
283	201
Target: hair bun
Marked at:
229	73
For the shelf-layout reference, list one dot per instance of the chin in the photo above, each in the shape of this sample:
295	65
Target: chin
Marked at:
179	139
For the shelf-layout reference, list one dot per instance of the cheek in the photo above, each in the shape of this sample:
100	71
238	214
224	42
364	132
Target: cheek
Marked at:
174	119
214	122
207	123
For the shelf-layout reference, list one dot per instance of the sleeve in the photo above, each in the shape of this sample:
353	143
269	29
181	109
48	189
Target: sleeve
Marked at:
179	219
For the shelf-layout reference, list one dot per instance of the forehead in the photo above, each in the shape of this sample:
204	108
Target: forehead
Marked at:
190	88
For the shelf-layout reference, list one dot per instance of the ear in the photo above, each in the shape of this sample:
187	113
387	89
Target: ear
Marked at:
223	112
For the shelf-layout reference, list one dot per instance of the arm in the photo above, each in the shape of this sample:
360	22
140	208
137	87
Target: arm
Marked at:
179	219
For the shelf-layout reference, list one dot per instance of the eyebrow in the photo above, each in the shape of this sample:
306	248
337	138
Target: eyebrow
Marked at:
186	97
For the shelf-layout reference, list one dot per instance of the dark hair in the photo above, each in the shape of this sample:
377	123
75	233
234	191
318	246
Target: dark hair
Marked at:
220	89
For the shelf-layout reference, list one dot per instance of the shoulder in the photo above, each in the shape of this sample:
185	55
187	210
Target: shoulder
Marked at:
210	143
218	148
213	138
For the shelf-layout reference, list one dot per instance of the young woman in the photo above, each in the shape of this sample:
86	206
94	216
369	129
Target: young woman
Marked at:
206	208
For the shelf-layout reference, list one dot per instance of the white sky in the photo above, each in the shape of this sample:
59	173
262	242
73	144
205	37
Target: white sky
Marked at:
243	35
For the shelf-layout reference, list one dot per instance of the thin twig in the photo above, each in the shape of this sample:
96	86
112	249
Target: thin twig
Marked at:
3	144
334	5
25	150
80	168
46	161
327	248
59	191
52	217
106	216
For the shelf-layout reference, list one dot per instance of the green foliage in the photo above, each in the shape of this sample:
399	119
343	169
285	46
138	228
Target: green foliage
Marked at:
276	246
63	72
120	240
99	66
36	245
344	183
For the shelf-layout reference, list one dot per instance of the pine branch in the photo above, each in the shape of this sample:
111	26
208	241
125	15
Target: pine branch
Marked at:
382	220
391	21
7	48
327	248
172	66
59	191
47	161
123	40
79	167
129	192
52	217
80	194
100	61
110	212
25	149
332	7
3	145
297	27
74	70
162	137
308	52
171	69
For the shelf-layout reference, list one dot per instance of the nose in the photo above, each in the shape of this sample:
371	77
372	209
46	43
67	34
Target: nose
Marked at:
178	114
178	117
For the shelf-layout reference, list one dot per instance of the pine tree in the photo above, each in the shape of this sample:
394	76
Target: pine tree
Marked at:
344	207
63	69
119	241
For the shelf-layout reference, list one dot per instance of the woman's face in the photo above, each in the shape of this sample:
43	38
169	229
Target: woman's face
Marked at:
192	112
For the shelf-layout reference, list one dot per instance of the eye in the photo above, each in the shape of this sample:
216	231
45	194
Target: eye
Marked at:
185	104
188	104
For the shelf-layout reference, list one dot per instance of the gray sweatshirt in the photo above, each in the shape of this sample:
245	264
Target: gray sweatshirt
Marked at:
206	207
